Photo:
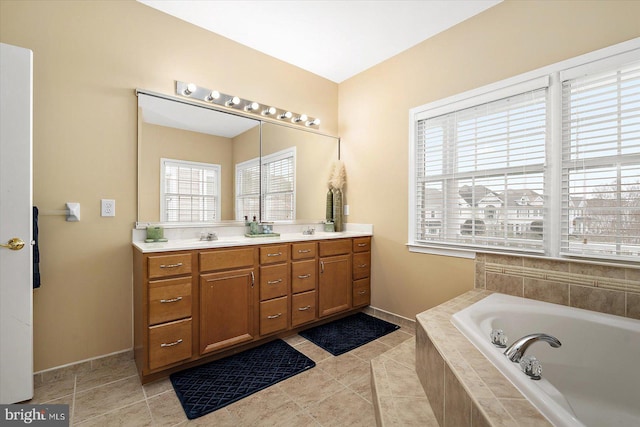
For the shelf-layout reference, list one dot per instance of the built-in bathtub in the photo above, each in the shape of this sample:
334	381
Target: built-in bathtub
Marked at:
591	380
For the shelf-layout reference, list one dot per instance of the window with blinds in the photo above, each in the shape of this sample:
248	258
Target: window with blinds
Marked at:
189	191
545	163
601	161
248	190
480	174
278	187
278	183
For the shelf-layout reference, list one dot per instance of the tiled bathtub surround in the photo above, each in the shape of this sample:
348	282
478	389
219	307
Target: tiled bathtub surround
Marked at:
462	386
603	288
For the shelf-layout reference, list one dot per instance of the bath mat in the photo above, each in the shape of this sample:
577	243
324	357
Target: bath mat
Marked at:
204	389
343	335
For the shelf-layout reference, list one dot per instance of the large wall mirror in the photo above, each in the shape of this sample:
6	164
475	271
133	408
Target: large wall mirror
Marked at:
199	165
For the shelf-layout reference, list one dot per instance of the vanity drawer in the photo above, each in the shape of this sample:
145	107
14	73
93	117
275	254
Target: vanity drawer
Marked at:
361	265
335	247
362	244
361	292
303	276
274	281
169	299
169	265
303	250
226	259
169	343
303	308
274	253
273	315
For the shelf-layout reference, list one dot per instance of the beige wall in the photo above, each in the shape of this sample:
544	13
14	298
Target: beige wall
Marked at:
508	39
89	56
160	142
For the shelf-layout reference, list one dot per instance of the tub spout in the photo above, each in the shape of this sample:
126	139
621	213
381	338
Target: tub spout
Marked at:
518	348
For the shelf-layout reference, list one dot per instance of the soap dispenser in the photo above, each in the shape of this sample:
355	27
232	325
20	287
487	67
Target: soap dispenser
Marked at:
255	229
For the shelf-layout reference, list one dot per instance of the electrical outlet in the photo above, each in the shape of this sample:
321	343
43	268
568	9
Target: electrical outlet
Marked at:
108	207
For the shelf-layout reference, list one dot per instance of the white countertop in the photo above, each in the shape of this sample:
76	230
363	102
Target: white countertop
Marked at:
241	240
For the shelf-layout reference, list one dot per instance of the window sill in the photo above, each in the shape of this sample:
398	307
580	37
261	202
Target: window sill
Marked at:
436	250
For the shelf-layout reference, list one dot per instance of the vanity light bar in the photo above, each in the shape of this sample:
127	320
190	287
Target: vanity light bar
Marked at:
191	90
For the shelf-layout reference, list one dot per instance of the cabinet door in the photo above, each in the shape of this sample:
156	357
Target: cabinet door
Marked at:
334	285
227	309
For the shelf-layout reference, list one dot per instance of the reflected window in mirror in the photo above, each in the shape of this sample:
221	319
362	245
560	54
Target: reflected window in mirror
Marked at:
247	190
278	172
278	185
189	191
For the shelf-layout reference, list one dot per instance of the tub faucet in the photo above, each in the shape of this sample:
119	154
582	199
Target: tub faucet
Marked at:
517	349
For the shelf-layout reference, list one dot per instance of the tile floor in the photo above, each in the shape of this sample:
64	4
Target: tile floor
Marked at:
337	392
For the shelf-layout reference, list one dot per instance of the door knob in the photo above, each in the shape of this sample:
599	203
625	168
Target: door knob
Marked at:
14	244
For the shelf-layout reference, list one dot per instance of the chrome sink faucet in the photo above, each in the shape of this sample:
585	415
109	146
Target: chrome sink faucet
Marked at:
518	348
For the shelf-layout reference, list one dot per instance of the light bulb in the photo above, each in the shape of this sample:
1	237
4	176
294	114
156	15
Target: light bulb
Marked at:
233	101
191	87
300	118
213	95
286	115
269	111
252	106
314	122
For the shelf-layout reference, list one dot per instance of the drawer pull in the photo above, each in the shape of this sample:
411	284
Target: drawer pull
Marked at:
362	245
321	266
362	265
278	254
171	265
164	301
275	316
171	344
304	308
253	279
304	251
362	292
273	282
304	276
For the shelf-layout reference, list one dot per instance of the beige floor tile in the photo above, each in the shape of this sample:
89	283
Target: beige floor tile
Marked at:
406	412
344	408
370	350
312	351
136	415
166	409
395	338
157	387
310	387
345	368
265	407
105	374
52	390
103	399
362	386
220	418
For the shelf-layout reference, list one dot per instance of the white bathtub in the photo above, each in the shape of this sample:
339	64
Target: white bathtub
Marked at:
593	379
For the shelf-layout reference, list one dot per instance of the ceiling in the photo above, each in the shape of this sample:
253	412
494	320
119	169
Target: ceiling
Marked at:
333	39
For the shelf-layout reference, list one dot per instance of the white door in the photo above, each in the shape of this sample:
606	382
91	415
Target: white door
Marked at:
16	270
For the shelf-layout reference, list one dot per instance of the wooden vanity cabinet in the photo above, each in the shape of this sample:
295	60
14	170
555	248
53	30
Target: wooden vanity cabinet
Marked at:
304	282
334	277
228	298
196	304
361	271
274	288
163	322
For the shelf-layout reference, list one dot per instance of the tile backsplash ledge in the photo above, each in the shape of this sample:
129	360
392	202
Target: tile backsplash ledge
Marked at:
603	288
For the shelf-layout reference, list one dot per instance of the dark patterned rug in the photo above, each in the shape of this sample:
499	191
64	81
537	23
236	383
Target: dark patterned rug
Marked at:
343	335
209	387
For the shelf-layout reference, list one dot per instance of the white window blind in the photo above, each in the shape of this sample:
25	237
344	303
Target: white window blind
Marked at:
189	191
247	190
278	183
480	174
601	163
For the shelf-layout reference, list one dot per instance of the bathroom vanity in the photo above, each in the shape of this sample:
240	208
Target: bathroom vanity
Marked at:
195	302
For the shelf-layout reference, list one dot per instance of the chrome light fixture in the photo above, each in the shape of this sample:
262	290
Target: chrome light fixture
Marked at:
195	92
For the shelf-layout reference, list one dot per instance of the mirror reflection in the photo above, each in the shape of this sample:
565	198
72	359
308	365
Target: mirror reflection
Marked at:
200	165
187	160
